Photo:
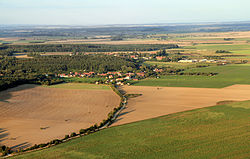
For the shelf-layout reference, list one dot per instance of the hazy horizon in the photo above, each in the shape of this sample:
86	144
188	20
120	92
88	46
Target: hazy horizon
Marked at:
108	12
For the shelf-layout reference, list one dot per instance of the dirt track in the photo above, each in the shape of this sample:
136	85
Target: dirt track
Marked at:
32	114
158	101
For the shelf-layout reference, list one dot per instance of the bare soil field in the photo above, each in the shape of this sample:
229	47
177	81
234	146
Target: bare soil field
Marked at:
32	114
158	101
56	53
22	55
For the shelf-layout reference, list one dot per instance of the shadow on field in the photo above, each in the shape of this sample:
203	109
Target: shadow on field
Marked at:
21	146
3	134
6	94
121	90
124	112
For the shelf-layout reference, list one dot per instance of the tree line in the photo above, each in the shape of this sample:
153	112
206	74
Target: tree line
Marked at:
41	69
10	49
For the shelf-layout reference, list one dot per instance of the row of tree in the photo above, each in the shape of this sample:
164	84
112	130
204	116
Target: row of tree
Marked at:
83	48
42	69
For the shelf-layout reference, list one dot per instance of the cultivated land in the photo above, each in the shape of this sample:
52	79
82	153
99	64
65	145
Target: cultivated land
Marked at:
215	132
185	39
211	132
32	114
158	101
227	76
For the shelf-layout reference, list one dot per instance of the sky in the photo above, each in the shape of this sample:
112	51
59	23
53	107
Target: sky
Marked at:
100	12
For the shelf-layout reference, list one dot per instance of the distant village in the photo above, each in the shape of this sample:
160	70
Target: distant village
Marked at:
203	61
120	78
111	77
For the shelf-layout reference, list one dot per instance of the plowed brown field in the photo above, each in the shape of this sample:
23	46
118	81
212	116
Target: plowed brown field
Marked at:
158	101
33	114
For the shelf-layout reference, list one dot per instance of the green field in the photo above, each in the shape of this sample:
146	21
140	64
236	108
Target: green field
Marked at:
229	47
210	49
82	79
228	75
243	52
176	65
79	86
215	132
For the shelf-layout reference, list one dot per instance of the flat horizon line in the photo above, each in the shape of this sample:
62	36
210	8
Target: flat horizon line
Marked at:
128	24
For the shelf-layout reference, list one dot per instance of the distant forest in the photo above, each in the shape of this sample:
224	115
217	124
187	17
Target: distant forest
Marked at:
8	50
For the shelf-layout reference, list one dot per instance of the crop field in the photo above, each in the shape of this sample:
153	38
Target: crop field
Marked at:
220	131
176	65
158	101
230	47
56	53
79	86
32	114
227	75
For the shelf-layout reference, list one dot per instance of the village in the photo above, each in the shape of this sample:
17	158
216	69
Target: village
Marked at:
125	78
117	78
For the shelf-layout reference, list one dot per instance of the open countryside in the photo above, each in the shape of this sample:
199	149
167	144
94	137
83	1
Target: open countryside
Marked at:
32	114
73	102
124	79
214	132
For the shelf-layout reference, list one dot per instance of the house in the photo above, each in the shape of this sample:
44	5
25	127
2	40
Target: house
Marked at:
130	74
203	60
158	70
86	74
119	73
111	76
63	75
102	74
160	57
141	74
133	56
127	78
120	83
115	73
211	61
119	79
187	61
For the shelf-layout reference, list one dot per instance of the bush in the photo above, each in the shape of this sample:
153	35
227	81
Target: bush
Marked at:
3	148
88	132
43	145
73	134
82	131
222	51
56	141
66	137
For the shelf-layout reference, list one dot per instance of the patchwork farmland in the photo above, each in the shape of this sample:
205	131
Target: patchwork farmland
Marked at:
182	95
